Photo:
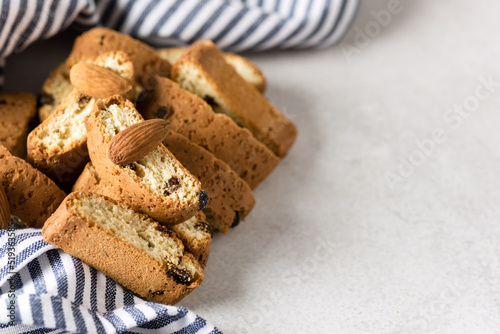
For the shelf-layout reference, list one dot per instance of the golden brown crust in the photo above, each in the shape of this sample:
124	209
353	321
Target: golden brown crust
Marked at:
247	106
247	69
33	197
54	91
231	198
62	165
198	245
128	265
16	111
99	40
88	180
124	185
192	117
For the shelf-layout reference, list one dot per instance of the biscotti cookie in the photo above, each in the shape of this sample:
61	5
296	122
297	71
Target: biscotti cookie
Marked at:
58	146
16	111
195	232
192	117
203	71
244	67
33	197
231	198
54	90
100	40
156	184
129	247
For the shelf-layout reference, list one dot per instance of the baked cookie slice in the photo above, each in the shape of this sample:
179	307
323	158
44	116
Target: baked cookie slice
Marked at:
127	246
203	70
231	198
100	40
156	184
247	69
16	111
33	197
192	117
54	90
58	146
195	233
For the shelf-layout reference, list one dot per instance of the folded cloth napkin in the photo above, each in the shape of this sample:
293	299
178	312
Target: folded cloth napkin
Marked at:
232	24
45	290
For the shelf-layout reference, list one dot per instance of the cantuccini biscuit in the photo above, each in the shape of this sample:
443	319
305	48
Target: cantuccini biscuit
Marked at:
16	111
192	117
100	40
127	246
231	198
58	146
32	196
203	71
156	184
247	69
195	232
54	90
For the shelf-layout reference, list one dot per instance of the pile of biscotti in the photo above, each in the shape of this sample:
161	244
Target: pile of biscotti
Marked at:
156	148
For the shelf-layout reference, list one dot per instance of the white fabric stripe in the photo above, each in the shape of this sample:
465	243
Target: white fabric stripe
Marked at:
119	302
28	284
315	15
59	17
231	11
113	19
327	25
13	9
68	314
70	270
135	12
240	27
126	318
185	321
48	275
101	292
285	31
345	20
21	26
87	319
198	20
93	18
153	18
87	286
48	312
182	12
44	16
267	25
25	312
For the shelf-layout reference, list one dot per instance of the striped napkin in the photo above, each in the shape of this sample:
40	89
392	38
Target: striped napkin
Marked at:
43	289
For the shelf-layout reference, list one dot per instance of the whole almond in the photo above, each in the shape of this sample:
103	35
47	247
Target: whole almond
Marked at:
96	81
136	141
4	210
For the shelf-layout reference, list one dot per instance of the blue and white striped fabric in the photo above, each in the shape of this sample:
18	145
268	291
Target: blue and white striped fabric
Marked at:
232	24
44	290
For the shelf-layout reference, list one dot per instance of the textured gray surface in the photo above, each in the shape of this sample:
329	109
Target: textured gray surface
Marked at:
331	247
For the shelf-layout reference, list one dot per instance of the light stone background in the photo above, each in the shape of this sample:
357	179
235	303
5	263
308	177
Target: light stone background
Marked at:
332	246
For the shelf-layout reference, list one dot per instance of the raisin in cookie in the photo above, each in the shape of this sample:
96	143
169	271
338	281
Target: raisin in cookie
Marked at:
192	117
203	71
127	246
156	184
